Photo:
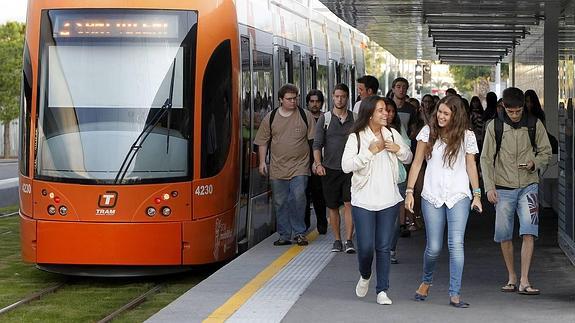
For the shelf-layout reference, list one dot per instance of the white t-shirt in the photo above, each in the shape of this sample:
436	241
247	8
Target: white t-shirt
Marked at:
356	107
443	184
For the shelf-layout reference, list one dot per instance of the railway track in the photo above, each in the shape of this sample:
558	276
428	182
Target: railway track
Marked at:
133	303
123	309
129	295
7	215
32	297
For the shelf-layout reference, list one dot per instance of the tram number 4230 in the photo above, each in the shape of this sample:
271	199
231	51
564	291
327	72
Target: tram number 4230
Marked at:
204	190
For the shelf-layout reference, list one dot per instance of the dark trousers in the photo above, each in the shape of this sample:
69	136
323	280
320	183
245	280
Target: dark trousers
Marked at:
314	193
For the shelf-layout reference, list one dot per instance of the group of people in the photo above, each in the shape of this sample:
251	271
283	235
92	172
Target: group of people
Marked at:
370	160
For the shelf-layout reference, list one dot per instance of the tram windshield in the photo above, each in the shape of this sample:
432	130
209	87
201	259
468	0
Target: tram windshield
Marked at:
104	75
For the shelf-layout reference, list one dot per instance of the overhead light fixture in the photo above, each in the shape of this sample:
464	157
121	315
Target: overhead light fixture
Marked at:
476	47
450	19
477	30
483	41
477	27
478	38
468	63
470	59
475	34
501	51
481	55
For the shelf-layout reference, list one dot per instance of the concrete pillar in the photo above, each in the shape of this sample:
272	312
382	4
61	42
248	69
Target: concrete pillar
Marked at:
498	80
551	69
512	67
550	185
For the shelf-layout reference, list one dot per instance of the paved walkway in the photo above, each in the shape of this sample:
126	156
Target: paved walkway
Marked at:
331	297
319	286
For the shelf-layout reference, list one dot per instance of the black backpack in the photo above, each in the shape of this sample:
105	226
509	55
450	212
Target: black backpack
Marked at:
498	127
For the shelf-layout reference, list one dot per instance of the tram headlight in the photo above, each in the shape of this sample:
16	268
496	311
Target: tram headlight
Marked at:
51	209
166	211
63	210
151	211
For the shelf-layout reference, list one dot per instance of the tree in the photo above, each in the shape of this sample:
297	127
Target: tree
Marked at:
467	78
11	47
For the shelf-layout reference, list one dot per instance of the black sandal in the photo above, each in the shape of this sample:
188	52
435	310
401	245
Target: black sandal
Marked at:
281	242
528	290
460	304
509	288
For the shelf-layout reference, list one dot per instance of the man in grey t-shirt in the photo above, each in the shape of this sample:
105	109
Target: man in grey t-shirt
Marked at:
331	137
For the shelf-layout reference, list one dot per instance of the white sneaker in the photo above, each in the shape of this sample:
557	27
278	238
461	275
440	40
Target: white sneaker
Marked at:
362	287
383	299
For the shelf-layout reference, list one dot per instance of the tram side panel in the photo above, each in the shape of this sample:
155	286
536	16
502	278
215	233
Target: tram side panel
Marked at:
210	236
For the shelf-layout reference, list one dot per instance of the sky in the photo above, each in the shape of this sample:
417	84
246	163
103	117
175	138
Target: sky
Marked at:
13	10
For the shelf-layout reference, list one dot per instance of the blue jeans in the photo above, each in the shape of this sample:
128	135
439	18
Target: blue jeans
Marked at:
435	219
374	231
289	201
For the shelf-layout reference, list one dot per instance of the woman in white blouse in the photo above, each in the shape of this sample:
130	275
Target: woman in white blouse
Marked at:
371	153
449	148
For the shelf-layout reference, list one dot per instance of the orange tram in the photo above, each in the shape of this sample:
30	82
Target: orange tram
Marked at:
138	119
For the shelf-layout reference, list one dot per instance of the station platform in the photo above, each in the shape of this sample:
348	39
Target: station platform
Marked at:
312	284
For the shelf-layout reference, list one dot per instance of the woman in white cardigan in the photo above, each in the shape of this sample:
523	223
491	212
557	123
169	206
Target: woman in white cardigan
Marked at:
372	153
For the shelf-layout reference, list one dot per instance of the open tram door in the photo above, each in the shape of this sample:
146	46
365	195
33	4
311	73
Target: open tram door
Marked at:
255	220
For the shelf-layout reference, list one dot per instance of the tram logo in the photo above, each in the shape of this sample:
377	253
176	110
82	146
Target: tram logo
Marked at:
108	200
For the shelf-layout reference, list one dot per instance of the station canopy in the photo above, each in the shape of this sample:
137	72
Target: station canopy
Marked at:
478	32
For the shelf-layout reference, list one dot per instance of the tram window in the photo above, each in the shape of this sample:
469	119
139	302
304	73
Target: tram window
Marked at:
307	76
332	75
25	110
296	67
345	74
283	60
216	110
352	82
263	104
322	83
99	97
246	114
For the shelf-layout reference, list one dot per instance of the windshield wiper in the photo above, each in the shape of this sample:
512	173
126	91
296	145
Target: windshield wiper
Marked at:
137	144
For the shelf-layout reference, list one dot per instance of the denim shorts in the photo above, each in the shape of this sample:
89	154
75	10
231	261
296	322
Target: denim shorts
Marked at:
525	202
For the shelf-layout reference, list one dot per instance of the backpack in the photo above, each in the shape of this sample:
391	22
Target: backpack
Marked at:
327	119
531	130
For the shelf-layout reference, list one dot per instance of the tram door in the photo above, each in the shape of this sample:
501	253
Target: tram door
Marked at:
255	220
246	135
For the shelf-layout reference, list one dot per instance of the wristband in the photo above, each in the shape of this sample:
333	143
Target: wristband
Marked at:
477	191
409	190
